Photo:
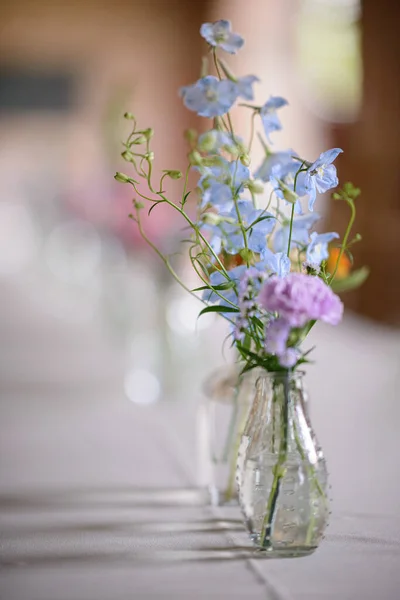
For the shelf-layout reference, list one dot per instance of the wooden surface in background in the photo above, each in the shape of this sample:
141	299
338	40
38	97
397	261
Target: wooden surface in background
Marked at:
372	162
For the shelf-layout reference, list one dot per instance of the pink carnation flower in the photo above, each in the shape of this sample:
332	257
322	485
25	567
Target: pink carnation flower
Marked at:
299	298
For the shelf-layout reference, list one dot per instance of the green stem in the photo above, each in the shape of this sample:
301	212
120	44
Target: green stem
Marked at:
253	116
220	78
266	530
290	230
345	238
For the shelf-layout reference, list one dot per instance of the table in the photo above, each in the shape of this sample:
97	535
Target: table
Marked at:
98	495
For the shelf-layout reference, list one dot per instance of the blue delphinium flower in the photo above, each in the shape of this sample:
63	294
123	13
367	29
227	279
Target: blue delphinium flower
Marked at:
217	278
317	250
221	181
269	118
321	175
276	264
218	194
300	233
209	97
239	174
219	34
256	234
244	87
273	159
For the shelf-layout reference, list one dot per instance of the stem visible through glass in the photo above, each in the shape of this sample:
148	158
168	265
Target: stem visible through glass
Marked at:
279	470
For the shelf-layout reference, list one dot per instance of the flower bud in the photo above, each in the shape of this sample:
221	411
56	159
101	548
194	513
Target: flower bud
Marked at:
211	219
245	160
129	115
191	135
141	139
173	174
121	177
208	141
149	156
128	156
246	254
195	158
256	186
148	133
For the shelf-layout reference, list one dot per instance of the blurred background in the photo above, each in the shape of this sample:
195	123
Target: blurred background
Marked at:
91	327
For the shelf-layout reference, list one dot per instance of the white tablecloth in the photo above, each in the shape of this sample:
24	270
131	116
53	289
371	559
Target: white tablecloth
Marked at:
98	497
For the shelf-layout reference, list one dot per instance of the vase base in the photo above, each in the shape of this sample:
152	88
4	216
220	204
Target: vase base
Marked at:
282	550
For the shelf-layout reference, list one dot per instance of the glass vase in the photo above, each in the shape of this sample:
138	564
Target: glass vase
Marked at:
221	418
281	470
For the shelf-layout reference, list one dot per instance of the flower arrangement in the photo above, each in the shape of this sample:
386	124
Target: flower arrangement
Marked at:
252	244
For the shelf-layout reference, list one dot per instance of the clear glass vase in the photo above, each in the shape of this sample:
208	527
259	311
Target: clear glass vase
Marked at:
221	418
281	470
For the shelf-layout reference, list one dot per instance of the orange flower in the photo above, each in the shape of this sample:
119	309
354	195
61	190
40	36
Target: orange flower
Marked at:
344	266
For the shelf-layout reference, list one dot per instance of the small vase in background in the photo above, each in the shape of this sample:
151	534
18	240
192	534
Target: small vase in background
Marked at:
221	418
281	470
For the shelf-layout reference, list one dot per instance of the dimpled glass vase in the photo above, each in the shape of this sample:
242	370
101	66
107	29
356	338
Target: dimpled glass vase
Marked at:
281	470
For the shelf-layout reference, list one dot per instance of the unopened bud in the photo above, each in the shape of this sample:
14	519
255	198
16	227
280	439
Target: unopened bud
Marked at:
129	115
245	160
138	205
211	219
256	186
121	177
191	135
195	158
149	156
208	141
173	174
246	254
141	139
148	133
128	156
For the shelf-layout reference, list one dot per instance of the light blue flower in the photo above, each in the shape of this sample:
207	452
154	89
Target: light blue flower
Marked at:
271	160
300	233
217	278
219	34
269	118
232	174
239	174
218	172
317	250
277	264
321	175
218	194
209	97
256	234
244	87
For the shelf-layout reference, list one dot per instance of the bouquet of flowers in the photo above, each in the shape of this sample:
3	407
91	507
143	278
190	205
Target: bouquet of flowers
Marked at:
252	244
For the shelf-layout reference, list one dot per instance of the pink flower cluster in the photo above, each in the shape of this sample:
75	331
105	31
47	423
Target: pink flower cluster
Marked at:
300	298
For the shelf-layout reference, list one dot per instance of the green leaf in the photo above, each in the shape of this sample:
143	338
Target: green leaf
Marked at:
353	281
218	309
154	205
221	286
185	197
